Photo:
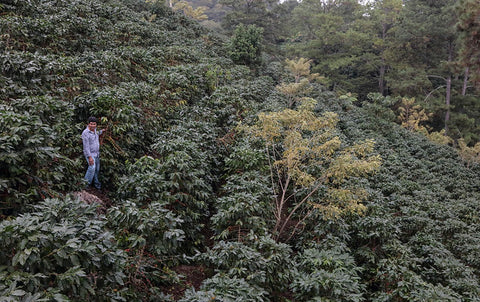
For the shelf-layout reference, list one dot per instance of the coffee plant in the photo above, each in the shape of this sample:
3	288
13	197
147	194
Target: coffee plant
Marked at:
60	251
326	274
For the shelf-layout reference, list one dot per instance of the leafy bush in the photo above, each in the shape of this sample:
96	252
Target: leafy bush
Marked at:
33	165
399	280
187	166
246	45
326	274
259	260
60	251
153	227
152	239
222	288
243	205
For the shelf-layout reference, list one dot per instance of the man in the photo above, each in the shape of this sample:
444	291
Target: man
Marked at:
91	150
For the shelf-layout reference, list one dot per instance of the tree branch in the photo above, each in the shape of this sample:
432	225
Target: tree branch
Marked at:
425	100
298	223
299	205
435	76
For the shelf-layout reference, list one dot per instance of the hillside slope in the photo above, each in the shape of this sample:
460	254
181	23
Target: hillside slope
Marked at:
421	235
63	61
191	214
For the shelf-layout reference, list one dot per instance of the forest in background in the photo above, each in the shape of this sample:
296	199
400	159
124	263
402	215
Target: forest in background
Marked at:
410	49
288	152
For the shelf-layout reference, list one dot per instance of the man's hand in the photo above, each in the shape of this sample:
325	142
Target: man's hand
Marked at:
90	161
103	131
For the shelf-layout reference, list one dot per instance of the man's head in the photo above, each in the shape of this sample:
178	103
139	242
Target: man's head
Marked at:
92	123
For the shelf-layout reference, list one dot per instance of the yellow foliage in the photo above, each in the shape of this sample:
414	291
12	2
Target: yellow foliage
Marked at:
339	201
439	137
194	13
469	154
292	90
307	104
412	115
316	77
347	165
299	67
299	140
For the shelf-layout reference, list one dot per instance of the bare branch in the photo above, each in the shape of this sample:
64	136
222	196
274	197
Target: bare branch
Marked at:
425	100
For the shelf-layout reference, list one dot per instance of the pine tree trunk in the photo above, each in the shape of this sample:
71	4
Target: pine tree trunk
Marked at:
383	68
448	95
465	82
381	80
447	101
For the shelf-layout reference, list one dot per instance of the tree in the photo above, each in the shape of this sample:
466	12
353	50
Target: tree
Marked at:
300	70
423	53
194	13
470	155
383	16
267	14
469	27
245	46
309	168
247	12
332	34
412	115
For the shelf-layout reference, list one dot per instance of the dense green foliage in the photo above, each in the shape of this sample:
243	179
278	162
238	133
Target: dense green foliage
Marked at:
186	189
468	25
61	249
404	48
245	45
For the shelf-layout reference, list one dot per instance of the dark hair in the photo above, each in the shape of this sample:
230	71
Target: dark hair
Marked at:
92	119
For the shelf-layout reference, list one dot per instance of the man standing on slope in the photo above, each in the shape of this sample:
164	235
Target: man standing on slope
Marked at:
91	150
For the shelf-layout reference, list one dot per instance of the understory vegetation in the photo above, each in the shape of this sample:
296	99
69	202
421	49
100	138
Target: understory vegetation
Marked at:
228	175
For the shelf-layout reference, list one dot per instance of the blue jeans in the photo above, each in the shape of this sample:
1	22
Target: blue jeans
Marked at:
92	173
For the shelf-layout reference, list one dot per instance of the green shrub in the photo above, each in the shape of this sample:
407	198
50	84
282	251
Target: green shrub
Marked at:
243	205
259	260
36	144
223	288
245	46
153	227
326	274
60	251
152	239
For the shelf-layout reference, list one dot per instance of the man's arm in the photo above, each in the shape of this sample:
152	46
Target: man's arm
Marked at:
86	148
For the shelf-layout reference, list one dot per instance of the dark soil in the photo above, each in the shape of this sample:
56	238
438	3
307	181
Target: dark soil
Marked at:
189	276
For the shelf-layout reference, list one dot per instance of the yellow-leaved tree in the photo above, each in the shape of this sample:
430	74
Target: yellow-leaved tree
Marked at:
469	154
300	69
194	13
309	168
187	9
412	115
